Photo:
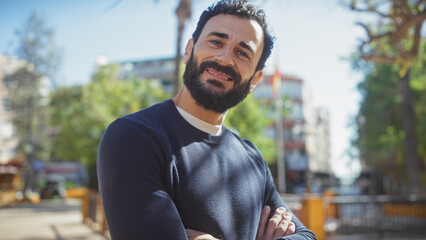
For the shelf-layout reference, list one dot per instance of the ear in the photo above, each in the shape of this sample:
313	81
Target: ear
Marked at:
188	50
256	78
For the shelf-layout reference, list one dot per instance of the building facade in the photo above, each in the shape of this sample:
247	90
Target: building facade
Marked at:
8	140
161	70
306	135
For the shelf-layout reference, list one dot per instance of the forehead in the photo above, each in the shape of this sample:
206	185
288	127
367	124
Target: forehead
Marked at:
237	28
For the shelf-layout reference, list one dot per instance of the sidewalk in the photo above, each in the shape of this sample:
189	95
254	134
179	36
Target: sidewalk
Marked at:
55	219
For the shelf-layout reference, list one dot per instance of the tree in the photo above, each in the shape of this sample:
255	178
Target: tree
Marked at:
81	114
380	138
395	40
183	13
36	45
29	86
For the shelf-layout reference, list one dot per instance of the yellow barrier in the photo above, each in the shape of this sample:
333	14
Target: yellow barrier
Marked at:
405	210
331	209
98	222
83	194
313	215
79	192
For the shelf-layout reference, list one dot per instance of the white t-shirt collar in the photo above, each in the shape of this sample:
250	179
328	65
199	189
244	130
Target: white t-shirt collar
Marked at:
200	124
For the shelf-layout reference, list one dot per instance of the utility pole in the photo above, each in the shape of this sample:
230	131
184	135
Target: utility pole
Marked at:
280	145
279	130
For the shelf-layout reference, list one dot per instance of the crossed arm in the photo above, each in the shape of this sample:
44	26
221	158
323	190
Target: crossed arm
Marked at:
136	200
279	225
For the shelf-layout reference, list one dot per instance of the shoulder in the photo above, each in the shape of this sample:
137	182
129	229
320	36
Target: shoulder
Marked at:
251	150
136	142
159	116
146	126
156	118
247	144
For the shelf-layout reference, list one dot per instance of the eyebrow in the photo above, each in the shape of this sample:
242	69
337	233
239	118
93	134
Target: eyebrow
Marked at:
225	36
246	46
219	35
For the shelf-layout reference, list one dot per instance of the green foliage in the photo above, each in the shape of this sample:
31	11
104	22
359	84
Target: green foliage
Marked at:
389	143
82	113
418	84
29	112
381	136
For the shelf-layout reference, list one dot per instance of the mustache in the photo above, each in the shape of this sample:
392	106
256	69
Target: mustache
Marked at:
225	69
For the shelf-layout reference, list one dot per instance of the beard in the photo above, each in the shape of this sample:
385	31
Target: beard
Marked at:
212	99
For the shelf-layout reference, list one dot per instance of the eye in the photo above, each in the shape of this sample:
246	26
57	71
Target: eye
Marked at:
243	54
216	43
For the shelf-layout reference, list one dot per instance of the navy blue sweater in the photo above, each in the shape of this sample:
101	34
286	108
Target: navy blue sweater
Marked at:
158	175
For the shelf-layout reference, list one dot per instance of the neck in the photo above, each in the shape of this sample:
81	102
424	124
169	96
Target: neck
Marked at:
185	101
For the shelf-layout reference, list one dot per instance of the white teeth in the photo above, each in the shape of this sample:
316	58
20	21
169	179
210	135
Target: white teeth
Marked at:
219	75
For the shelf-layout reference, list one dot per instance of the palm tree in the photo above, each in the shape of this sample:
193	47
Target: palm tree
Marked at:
183	12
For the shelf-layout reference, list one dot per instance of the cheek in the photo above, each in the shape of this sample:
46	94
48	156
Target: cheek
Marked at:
204	52
246	69
245	72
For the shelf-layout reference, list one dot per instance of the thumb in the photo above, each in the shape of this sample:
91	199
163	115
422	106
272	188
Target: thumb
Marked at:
262	223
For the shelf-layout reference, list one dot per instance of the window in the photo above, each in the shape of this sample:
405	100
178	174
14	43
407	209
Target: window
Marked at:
7	104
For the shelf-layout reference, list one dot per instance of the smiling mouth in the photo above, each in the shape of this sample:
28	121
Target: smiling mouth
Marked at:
219	75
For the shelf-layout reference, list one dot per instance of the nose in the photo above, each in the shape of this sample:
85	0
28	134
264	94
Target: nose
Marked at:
225	57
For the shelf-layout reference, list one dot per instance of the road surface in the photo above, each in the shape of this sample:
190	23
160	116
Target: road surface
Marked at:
54	219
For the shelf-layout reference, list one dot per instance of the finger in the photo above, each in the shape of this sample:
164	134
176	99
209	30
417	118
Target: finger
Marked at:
283	226
290	229
190	233
288	216
262	223
197	235
273	222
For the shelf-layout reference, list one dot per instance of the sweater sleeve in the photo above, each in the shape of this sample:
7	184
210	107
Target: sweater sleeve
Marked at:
274	200
131	184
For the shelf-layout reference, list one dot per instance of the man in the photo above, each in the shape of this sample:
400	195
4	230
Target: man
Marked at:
173	171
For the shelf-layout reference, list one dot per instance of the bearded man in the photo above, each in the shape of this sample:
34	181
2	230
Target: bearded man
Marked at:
173	171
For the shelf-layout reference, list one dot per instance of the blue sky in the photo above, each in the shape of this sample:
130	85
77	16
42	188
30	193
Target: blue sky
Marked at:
312	38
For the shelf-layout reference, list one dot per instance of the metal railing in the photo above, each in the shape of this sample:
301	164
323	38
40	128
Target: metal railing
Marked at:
374	214
327	216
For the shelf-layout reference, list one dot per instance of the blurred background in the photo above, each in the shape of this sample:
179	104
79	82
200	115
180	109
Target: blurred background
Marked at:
340	111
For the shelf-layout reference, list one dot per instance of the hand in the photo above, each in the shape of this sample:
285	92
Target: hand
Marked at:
279	225
197	235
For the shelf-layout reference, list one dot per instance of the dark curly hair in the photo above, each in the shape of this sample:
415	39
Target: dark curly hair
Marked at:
242	9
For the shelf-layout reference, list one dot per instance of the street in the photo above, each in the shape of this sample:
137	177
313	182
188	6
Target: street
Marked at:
55	219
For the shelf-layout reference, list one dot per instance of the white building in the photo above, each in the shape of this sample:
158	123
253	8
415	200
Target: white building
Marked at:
160	70
306	134
8	140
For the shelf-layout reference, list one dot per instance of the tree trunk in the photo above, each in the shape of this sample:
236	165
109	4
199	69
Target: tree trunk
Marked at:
28	141
183	13
181	26
29	182
412	160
